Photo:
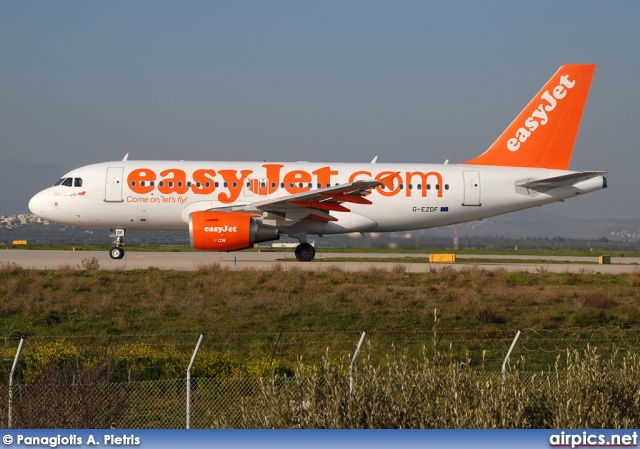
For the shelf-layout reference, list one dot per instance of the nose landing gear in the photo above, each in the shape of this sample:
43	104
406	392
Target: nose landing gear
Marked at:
117	252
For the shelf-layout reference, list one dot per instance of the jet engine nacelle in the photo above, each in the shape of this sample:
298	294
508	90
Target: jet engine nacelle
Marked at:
227	231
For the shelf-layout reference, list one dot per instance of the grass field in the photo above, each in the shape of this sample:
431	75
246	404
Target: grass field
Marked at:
444	331
210	299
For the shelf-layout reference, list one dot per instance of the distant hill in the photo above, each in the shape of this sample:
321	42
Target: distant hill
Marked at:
538	223
19	181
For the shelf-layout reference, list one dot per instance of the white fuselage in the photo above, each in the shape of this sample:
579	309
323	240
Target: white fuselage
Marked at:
160	195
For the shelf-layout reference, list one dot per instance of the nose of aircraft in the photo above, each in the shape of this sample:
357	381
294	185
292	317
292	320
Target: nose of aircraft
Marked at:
36	204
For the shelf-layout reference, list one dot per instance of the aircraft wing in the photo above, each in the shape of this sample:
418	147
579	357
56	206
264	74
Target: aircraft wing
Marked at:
319	204
559	181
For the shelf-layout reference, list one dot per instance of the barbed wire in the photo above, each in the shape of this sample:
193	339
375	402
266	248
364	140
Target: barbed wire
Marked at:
469	341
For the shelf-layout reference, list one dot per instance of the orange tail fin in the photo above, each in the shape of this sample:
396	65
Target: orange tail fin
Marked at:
544	133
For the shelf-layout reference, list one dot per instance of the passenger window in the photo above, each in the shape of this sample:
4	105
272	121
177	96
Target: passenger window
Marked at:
77	182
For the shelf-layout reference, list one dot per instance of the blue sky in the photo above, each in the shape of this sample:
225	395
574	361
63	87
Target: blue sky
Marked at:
408	81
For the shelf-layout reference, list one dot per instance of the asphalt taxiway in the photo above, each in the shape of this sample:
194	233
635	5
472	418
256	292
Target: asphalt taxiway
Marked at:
287	261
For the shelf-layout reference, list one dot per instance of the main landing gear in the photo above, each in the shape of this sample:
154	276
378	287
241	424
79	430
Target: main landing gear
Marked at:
305	252
117	252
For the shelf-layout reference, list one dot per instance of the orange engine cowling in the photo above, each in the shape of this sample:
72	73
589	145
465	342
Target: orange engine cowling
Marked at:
227	231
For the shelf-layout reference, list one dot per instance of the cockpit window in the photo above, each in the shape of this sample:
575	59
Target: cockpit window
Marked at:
69	182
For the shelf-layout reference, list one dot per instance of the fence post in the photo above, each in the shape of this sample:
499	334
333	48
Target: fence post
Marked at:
193	359
506	359
106	351
586	343
13	370
275	348
353	360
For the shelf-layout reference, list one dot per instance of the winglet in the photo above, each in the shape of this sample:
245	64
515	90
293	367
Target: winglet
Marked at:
544	133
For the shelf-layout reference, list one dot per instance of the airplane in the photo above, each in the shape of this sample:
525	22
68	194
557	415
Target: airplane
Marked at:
229	206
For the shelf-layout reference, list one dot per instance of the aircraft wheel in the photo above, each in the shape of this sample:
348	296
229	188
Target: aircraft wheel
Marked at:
116	253
305	252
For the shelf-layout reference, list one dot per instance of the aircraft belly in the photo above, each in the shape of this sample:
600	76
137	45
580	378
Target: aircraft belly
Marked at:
347	222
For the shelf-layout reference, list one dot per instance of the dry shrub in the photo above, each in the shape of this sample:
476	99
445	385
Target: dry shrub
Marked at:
335	274
480	276
501	276
347	292
72	396
499	293
431	393
446	274
376	272
599	300
158	292
208	268
10	269
634	278
275	285
90	264
276	267
371	301
334	269
12	287
489	314
570	278
296	269
67	270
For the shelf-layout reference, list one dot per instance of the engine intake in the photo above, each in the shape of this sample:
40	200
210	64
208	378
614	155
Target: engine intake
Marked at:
227	231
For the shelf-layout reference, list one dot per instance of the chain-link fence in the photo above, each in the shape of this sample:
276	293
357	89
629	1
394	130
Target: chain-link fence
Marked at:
401	379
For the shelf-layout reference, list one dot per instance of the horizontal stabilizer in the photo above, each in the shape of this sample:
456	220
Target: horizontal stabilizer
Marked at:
559	181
